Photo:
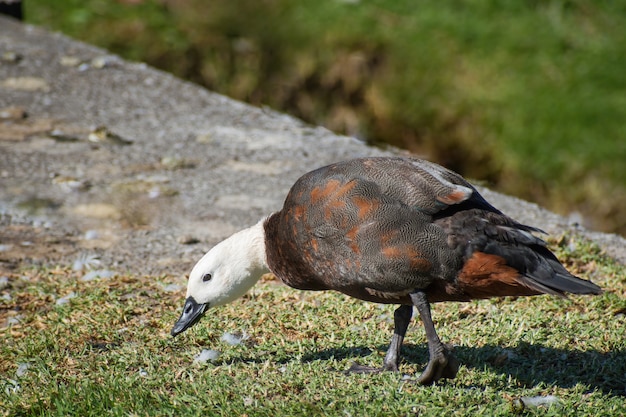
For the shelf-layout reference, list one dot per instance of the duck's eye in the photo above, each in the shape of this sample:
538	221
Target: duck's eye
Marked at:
206	277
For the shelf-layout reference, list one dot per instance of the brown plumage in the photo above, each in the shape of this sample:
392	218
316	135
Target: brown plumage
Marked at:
380	228
398	231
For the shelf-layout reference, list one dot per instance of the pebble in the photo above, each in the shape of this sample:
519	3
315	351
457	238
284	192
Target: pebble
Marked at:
154	192
103	61
188	240
522	403
13	113
173	163
102	134
172	287
71	184
97	211
60	136
11	56
12	387
22	368
26	84
70	61
91	235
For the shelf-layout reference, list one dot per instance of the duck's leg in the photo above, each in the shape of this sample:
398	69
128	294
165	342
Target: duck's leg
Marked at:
401	320
441	364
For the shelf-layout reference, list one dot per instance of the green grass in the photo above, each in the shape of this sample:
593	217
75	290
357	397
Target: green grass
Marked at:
529	96
108	351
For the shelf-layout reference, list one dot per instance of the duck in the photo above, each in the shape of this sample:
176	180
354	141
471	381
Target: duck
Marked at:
389	230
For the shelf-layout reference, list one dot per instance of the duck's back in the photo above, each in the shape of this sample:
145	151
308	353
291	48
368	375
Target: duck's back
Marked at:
380	228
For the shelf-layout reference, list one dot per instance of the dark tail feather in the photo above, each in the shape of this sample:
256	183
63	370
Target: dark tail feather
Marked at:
574	285
560	284
551	277
565	281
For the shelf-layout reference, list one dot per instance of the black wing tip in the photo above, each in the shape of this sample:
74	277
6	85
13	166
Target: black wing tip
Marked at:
561	285
575	285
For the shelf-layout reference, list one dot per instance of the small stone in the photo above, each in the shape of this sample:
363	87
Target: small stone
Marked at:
154	192
60	136
100	62
22	368
172	287
92	235
11	56
71	184
12	387
13	113
102	134
204	138
173	163
98	211
522	403
188	240
26	84
70	61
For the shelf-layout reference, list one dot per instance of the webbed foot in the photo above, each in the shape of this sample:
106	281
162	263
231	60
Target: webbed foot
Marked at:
442	364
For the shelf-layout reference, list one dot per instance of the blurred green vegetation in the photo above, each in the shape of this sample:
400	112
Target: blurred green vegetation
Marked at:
528	96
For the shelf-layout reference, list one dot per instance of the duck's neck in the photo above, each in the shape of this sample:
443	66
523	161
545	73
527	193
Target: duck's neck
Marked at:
247	261
254	238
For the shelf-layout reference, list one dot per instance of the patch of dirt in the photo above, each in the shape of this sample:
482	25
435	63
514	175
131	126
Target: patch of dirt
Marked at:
26	244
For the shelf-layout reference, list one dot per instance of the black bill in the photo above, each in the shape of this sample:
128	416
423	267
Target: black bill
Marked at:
192	312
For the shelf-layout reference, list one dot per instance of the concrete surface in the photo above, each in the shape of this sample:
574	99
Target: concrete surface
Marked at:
127	168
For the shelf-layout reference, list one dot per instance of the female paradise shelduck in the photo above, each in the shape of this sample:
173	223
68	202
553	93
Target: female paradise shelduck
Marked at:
388	230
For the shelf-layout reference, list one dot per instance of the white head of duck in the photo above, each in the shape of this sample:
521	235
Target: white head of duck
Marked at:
223	274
